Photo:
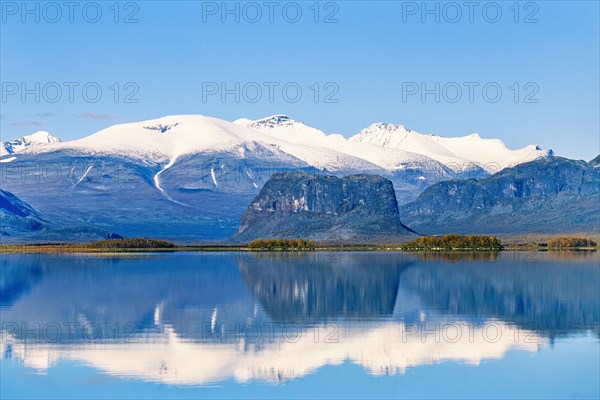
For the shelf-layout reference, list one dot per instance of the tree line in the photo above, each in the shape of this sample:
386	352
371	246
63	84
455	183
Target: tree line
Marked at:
455	242
282	244
568	242
133	243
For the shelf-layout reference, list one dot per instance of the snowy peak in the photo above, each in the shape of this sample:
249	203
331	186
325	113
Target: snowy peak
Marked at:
379	127
274	121
457	152
492	154
398	137
38	138
382	134
283	127
382	145
166	138
341	150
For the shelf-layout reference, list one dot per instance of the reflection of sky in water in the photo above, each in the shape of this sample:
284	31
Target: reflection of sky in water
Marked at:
171	319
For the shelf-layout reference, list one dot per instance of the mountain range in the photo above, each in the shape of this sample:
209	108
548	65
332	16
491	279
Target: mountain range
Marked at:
553	195
190	177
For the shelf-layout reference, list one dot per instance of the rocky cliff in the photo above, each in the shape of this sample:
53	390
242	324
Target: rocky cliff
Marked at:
324	208
553	195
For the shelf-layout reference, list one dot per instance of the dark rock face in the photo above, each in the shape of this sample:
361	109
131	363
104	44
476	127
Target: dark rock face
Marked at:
553	195
324	208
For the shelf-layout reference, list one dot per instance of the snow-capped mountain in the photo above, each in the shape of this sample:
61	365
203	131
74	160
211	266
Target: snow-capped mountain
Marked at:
192	176
456	153
171	138
393	147
283	127
380	146
38	138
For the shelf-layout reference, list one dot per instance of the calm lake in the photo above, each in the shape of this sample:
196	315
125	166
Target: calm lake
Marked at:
317	325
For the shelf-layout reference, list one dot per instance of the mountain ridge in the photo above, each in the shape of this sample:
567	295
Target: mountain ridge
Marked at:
553	195
190	178
382	144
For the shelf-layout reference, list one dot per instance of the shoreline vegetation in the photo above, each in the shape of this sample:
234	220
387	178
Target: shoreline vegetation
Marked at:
454	243
426	244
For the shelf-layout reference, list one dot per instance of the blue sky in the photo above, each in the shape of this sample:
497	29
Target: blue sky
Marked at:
371	62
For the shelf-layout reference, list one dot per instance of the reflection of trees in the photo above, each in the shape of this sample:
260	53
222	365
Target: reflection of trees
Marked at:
355	285
573	254
457	256
546	295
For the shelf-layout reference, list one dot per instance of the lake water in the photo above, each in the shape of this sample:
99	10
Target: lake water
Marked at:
317	325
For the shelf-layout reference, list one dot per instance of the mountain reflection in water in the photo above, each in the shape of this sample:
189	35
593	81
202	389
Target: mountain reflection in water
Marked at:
352	285
198	318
